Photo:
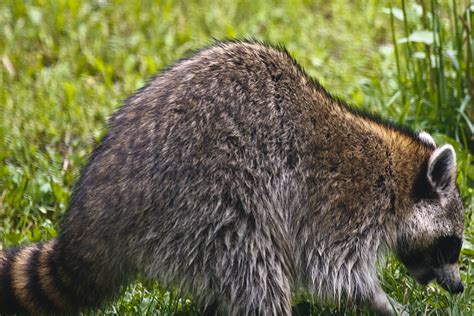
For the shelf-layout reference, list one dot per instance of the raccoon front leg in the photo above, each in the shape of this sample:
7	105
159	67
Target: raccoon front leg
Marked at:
384	305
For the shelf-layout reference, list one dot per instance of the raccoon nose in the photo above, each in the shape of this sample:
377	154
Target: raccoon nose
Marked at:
458	288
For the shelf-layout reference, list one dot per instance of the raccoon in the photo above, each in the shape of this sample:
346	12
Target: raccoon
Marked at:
236	178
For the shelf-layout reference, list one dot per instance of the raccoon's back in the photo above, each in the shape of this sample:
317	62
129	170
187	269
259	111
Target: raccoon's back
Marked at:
231	92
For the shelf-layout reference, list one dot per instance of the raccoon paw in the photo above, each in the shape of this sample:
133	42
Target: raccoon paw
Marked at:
384	305
398	309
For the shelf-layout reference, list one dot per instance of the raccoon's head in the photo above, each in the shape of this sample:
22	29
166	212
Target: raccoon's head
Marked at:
430	238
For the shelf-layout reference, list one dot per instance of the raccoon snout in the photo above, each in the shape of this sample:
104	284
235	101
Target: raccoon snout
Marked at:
459	288
449	278
454	288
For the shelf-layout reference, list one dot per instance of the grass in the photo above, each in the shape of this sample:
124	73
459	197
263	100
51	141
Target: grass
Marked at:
66	65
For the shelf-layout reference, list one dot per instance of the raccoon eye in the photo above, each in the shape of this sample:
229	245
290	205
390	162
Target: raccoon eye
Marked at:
446	250
413	259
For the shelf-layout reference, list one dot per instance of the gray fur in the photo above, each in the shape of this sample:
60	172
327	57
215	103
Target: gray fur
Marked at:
237	179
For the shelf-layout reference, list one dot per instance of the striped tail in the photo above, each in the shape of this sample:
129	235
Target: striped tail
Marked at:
37	279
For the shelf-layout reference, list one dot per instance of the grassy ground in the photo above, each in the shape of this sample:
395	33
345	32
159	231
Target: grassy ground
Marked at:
65	66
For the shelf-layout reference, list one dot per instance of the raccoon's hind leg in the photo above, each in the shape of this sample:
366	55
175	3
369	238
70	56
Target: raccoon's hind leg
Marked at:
250	281
230	261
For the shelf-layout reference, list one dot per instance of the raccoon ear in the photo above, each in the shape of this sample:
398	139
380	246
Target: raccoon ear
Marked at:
426	138
442	167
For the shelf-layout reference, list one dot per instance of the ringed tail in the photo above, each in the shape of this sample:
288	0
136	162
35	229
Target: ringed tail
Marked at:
40	279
